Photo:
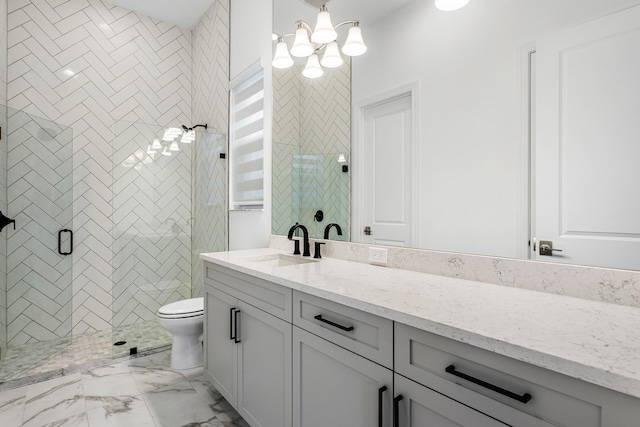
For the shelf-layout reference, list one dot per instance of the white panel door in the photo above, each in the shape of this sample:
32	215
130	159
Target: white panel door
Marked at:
588	142
388	173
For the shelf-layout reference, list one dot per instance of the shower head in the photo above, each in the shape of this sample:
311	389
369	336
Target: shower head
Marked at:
195	126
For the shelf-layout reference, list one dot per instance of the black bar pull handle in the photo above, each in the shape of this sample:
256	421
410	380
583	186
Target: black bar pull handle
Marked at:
329	322
451	369
236	339
66	230
381	390
231	336
396	410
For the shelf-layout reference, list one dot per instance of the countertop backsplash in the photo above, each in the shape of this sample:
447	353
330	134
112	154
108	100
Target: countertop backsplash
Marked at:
598	284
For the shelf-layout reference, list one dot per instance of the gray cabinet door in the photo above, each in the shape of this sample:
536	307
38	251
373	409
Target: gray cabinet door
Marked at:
334	387
221	352
423	407
264	368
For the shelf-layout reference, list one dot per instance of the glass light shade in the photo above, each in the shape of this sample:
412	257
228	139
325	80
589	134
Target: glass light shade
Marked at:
301	45
174	146
354	45
170	134
156	144
188	137
312	70
324	31
165	152
341	158
282	59
331	57
150	150
449	5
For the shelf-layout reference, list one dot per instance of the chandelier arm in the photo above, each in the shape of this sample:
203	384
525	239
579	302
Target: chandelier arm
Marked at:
347	22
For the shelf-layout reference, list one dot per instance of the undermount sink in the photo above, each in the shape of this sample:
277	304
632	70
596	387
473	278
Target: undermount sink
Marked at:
280	260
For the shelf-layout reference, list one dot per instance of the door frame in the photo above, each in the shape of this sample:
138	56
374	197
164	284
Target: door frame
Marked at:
357	155
526	152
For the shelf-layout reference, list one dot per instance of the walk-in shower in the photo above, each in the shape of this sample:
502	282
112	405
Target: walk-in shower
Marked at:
166	204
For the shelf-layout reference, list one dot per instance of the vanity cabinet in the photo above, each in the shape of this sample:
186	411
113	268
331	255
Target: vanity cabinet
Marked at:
514	392
335	387
342	365
248	349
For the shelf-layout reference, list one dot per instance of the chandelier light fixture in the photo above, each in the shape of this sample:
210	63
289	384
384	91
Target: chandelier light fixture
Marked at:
323	40
165	146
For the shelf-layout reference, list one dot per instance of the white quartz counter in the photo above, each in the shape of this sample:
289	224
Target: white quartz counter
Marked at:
593	341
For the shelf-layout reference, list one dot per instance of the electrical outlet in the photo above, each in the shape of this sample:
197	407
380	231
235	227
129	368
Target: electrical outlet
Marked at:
378	255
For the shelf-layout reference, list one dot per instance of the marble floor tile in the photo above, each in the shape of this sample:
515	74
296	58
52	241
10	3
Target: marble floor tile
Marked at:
60	399
179	405
118	411
153	377
111	396
113	380
12	406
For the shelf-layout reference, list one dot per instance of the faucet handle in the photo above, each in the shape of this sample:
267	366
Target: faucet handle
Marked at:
316	253
296	247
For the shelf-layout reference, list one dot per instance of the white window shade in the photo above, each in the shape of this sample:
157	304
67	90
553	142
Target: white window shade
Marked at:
246	134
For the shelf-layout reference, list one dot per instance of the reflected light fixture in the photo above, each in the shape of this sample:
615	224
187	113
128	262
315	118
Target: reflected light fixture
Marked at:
323	40
449	5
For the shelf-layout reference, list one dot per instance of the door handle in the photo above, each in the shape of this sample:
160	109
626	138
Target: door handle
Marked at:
231	317
236	339
546	248
70	241
367	231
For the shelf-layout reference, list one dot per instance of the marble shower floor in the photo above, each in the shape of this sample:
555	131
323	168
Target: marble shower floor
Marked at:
142	391
43	360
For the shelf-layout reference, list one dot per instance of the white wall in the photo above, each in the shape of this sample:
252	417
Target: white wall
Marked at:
466	63
250	42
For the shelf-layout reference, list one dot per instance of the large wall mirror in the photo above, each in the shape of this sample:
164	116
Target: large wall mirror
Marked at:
485	130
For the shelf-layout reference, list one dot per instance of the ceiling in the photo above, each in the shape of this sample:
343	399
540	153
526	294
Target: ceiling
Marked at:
183	13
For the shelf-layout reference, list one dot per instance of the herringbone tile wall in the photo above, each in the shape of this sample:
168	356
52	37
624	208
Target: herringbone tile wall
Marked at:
210	104
312	115
151	224
39	197
88	66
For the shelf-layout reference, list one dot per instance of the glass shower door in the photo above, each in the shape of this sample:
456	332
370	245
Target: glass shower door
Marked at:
39	198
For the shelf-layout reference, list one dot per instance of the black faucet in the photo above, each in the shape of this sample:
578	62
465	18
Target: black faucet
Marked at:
305	234
328	228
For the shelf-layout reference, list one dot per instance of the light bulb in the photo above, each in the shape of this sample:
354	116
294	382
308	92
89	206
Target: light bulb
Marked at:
324	31
449	5
301	45
331	57
312	70
282	59
354	45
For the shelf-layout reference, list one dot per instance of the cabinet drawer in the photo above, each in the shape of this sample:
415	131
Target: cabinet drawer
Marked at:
424	357
265	295
365	334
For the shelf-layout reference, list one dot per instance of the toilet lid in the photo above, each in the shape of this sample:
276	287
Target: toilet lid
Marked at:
184	307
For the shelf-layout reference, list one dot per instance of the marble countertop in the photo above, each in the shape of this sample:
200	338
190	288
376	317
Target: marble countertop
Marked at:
593	341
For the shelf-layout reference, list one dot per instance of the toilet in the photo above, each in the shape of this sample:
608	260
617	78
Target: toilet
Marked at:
184	320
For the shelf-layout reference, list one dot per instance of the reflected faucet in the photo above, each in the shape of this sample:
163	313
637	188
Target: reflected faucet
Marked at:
328	228
305	234
175	228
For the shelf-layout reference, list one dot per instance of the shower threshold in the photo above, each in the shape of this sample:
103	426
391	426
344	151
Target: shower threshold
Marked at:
31	363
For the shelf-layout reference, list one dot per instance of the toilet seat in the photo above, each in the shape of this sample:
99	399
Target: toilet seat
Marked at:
182	309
